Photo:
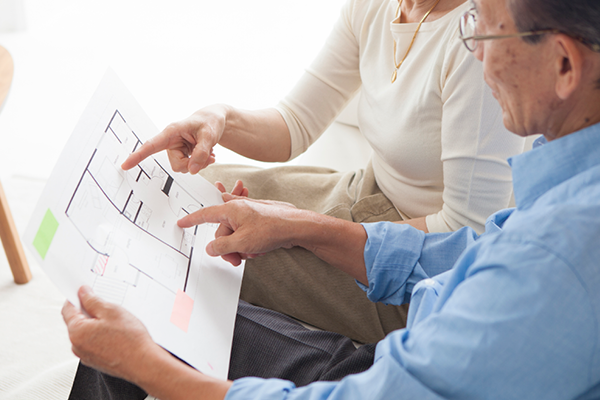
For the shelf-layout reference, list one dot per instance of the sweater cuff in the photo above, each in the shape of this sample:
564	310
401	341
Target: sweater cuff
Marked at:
297	145
436	224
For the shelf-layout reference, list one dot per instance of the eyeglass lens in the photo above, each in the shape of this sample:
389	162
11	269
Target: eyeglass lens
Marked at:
467	30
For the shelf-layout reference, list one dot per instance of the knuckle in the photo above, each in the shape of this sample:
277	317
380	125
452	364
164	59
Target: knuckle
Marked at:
218	246
172	128
77	353
76	338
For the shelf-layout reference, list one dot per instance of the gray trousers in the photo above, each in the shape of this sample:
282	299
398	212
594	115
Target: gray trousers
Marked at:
266	344
297	283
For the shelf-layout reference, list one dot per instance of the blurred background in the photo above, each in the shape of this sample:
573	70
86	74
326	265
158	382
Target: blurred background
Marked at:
174	56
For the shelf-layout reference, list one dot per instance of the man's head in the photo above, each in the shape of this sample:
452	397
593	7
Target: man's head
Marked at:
547	83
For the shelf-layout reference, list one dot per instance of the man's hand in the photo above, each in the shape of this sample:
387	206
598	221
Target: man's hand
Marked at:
111	339
248	228
238	191
115	342
189	143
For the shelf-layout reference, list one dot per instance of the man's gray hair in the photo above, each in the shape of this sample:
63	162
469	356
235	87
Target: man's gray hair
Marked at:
579	19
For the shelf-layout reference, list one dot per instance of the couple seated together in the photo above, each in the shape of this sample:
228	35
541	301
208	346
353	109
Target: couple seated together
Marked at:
504	303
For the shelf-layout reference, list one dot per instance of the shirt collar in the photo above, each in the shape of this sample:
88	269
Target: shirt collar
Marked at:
550	163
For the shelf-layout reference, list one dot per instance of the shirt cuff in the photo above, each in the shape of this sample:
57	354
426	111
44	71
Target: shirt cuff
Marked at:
258	388
391	255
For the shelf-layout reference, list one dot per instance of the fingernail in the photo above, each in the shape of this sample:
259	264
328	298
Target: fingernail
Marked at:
85	289
227	196
209	249
194	168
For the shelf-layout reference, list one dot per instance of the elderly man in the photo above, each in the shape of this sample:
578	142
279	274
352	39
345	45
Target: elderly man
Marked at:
516	315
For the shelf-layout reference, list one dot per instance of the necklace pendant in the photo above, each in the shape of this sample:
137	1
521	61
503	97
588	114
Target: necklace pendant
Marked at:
394	75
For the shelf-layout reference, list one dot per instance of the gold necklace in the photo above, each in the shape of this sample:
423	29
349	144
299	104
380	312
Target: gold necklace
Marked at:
395	73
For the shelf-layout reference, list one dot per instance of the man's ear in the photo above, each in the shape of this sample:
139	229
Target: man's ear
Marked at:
568	64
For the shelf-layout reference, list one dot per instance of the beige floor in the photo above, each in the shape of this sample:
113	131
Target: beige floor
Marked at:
35	357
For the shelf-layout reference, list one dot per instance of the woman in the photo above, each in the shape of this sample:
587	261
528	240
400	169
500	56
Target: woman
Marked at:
436	131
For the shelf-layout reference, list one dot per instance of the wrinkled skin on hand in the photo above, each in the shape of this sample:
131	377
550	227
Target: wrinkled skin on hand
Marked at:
248	228
110	339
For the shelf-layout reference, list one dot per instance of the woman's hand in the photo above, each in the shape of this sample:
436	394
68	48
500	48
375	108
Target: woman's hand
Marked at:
189	143
238	189
111	339
261	135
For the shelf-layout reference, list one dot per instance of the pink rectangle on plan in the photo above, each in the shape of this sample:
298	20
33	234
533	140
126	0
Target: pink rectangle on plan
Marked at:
182	310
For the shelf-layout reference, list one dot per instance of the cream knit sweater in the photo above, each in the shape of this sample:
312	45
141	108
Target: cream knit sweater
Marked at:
440	148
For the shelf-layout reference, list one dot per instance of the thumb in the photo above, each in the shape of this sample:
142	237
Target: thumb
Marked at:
200	156
90	302
233	258
222	245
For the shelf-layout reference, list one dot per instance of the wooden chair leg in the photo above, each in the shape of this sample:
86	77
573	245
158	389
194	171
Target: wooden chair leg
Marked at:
12	243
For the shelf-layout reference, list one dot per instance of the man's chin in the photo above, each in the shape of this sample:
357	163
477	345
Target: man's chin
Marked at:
517	130
509	125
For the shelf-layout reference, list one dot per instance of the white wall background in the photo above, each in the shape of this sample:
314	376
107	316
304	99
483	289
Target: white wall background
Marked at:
175	56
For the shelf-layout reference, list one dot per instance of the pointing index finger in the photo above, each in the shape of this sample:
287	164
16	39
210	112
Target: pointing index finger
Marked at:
158	143
212	214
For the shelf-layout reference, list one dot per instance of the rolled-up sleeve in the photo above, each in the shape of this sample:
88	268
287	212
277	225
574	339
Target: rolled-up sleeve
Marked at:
398	256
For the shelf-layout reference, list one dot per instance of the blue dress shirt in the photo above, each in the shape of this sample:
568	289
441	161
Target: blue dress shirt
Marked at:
511	314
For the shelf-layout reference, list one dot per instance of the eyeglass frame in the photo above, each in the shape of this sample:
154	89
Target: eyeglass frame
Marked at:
595	47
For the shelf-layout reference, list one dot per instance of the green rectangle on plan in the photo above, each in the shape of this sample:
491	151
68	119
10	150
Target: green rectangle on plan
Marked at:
45	234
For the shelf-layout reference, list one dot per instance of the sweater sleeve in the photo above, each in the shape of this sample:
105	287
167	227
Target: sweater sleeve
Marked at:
475	146
325	88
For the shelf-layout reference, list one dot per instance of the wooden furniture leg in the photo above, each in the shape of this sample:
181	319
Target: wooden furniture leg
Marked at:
7	68
8	231
12	243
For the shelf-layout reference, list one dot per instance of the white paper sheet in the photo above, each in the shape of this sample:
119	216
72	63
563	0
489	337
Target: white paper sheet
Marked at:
116	231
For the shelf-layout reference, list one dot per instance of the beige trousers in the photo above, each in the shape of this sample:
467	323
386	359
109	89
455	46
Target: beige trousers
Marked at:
296	282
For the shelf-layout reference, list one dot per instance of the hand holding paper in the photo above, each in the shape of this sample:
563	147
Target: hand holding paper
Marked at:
116	231
109	339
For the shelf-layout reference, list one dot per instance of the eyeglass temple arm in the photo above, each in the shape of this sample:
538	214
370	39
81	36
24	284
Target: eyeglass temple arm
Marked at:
518	34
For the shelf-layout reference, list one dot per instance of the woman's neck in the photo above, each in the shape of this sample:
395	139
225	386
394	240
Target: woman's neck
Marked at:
414	10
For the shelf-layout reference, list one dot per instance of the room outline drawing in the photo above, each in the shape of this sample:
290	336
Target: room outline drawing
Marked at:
128	219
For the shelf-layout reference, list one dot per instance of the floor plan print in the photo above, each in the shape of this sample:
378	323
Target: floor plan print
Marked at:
146	244
116	231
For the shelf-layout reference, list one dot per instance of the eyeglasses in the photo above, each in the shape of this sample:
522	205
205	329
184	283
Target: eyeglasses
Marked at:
468	32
